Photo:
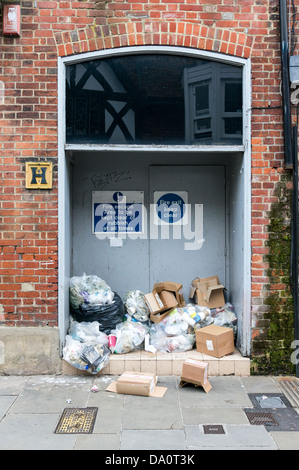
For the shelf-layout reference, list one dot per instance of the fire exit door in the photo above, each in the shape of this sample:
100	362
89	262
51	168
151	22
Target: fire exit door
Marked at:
188	236
183	222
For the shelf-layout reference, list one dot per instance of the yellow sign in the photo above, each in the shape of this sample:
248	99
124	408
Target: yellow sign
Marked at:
39	175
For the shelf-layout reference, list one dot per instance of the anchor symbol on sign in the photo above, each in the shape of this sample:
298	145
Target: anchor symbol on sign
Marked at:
38	173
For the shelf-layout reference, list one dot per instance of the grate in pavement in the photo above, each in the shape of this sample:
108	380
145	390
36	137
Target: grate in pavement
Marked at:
76	421
260	418
290	387
285	416
213	429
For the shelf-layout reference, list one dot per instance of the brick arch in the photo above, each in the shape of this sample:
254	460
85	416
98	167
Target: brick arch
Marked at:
154	33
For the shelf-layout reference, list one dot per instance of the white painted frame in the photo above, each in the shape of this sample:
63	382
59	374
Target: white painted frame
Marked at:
63	178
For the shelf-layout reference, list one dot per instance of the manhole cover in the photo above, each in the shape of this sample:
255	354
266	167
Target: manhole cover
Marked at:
270	402
213	429
76	421
266	419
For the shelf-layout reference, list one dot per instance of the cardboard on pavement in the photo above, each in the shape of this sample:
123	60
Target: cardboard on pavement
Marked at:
137	383
195	372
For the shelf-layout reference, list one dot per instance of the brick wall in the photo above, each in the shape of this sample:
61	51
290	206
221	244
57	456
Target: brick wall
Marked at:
245	28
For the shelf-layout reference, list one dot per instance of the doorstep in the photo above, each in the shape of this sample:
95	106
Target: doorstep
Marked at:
168	363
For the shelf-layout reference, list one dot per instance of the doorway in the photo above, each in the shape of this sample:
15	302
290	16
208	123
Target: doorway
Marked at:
163	251
194	245
209	241
82	164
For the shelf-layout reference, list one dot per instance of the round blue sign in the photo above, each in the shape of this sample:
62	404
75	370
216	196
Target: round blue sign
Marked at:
118	196
170	208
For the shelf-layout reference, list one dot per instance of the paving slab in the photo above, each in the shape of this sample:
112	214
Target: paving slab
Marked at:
226	392
12	385
152	412
51	395
260	384
102	381
110	411
154	417
236	436
159	439
286	440
98	442
213	416
5	404
30	408
33	432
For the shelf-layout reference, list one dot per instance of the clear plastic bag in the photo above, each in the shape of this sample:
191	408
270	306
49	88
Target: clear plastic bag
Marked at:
161	342
89	356
195	313
96	356
225	316
163	339
89	289
173	324
135	305
87	331
72	353
129	336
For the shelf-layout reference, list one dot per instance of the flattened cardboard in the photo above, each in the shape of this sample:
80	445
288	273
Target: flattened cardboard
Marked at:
208	292
215	340
137	383
196	372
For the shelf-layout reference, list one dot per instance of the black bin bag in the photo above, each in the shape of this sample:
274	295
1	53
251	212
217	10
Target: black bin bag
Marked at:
107	315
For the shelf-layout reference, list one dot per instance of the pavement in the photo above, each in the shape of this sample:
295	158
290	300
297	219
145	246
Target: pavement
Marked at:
31	408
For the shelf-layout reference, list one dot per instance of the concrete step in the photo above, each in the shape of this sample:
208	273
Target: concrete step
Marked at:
168	363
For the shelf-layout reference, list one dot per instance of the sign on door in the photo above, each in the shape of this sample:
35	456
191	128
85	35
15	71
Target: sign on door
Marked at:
171	207
117	212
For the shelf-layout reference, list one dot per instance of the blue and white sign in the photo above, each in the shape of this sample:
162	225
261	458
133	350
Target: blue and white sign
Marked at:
117	212
171	207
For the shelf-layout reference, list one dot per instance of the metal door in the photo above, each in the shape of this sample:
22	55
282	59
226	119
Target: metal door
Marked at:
191	243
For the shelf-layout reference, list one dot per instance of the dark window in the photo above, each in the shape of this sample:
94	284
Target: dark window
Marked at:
153	99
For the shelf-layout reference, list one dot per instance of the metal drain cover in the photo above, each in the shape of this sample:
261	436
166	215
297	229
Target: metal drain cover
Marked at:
270	402
213	429
76	421
258	418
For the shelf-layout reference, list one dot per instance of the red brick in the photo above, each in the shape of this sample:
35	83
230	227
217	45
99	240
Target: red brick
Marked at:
29	118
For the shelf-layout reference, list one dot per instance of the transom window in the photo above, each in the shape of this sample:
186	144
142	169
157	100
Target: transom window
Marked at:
158	99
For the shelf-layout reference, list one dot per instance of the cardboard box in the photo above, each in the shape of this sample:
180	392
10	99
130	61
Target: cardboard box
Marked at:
137	383
164	297
195	372
208	292
215	340
158	302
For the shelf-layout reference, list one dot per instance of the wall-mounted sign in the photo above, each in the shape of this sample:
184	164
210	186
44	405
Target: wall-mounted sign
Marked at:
115	212
39	175
171	207
11	20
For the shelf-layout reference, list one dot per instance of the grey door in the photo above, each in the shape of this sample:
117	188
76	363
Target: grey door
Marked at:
196	248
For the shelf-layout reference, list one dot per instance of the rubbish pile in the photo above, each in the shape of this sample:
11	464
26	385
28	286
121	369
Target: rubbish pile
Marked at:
91	299
86	347
102	323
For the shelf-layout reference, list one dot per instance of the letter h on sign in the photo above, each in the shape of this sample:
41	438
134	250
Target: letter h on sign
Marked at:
38	175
